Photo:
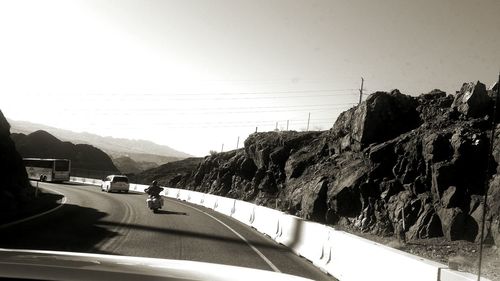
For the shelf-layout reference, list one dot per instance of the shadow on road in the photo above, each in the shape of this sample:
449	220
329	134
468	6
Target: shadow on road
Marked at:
165	212
128	193
79	233
201	235
44	201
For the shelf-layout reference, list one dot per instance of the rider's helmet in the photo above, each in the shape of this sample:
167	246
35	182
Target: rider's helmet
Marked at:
154	183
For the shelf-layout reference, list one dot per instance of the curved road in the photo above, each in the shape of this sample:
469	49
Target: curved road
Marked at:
116	223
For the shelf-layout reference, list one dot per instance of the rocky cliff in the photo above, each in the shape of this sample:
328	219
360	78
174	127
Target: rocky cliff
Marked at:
15	188
417	164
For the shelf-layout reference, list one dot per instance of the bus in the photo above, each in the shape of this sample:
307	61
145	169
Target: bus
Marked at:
54	170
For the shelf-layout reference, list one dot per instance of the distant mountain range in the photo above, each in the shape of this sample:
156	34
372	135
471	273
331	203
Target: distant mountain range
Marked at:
84	158
138	150
127	165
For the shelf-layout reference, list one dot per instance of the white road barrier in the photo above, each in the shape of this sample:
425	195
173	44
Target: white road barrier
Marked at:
196	198
288	231
310	241
453	275
140	187
243	212
345	256
171	192
184	194
224	205
209	201
266	220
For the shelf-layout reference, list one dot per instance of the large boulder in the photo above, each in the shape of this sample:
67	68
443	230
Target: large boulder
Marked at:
381	117
458	225
314	199
428	224
344	198
472	100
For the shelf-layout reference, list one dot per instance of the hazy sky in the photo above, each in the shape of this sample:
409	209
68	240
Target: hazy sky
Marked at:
195	74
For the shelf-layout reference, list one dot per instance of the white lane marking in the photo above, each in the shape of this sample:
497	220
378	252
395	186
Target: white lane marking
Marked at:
114	240
239	235
37	215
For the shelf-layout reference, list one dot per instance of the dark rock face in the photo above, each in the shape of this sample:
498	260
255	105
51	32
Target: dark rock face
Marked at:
493	216
457	225
428	224
15	188
367	123
41	144
472	100
394	162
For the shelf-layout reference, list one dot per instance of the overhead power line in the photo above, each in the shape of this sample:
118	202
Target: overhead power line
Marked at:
254	107
266	97
230	93
268	92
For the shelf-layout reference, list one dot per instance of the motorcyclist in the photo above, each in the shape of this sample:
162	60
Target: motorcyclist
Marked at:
154	190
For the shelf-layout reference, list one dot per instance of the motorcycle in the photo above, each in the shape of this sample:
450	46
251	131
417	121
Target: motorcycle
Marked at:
154	203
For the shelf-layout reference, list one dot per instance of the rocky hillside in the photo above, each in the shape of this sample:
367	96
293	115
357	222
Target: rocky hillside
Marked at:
168	173
417	164
41	144
127	165
15	188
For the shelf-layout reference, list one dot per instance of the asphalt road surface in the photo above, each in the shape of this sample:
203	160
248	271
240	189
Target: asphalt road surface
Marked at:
117	223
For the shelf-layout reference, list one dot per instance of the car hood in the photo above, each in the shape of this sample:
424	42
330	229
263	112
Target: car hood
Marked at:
56	265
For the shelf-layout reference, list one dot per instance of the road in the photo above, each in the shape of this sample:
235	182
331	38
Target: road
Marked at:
115	223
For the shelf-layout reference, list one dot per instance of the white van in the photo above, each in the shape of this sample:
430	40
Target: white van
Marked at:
115	183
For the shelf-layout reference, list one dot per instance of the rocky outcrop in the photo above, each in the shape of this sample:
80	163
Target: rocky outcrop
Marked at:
493	216
168	173
393	162
15	188
41	144
473	100
367	123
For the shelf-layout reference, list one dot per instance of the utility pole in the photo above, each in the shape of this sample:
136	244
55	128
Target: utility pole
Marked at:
361	91
222	148
238	142
486	181
287	121
276	129
256	129
308	119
